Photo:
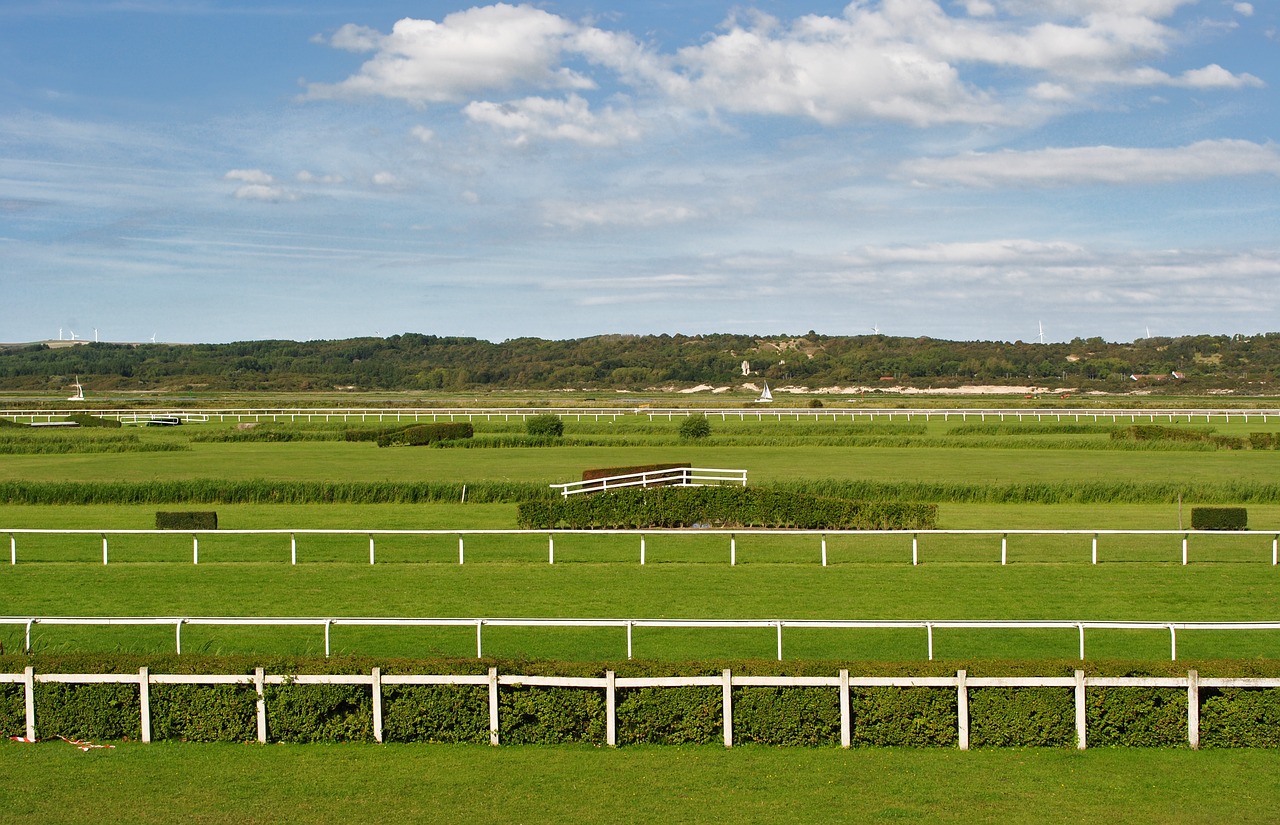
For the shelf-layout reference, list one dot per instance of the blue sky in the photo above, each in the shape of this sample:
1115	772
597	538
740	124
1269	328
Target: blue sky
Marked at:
208	171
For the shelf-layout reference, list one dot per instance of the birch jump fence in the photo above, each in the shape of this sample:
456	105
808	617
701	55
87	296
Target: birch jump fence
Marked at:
610	683
629	625
643	535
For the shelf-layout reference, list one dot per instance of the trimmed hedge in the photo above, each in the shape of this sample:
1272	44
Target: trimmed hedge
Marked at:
262	491
808	717
184	520
544	425
668	507
1219	518
421	435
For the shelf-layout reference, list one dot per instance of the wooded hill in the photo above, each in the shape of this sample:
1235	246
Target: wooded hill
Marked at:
414	362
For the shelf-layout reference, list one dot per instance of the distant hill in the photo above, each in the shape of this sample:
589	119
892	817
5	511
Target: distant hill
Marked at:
414	362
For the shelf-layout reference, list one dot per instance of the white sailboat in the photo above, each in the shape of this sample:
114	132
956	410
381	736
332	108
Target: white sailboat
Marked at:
79	396
766	396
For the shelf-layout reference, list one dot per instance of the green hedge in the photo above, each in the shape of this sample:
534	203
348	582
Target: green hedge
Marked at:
667	507
880	716
1219	518
187	520
421	435
262	491
608	472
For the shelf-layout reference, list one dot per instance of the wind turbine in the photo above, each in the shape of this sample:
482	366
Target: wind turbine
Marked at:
153	337
1041	339
875	329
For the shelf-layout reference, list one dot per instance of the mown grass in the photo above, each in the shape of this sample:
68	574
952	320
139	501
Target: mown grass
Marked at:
405	783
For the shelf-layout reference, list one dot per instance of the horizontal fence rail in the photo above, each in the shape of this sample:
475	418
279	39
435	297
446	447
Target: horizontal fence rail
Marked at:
732	534
630	625
610	683
670	477
755	413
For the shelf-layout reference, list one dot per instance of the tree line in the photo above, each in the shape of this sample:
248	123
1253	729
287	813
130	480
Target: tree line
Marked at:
418	362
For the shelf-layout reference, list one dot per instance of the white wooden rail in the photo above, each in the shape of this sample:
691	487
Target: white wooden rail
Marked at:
757	413
630	625
962	683
643	534
670	477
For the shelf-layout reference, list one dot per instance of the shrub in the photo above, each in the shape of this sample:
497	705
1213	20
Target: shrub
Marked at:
422	434
695	426
1036	717
815	403
670	716
904	717
608	472
196	520
436	713
551	716
204	713
319	713
1219	518
1136	717
94	421
545	425
786	716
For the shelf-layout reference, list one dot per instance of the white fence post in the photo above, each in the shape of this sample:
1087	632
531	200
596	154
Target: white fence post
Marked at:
1173	644
642	549
824	550
629	624
727	705
144	703
377	704
846	727
104	548
928	628
195	549
460	550
611	709
1193	709
1081	729
915	549
29	689
733	549
479	648
962	709
327	623
1004	549
1184	548
551	548
293	549
371	548
493	706
13	550
259	684
1095	548
779	640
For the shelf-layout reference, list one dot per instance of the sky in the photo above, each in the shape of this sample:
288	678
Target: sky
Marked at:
225	170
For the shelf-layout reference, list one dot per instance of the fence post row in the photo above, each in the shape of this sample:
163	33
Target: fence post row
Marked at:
961	682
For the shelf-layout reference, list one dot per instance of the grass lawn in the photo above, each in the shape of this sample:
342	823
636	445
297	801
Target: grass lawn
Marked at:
223	784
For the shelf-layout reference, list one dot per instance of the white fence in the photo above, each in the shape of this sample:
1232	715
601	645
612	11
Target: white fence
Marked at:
610	683
643	535
756	413
669	477
630	625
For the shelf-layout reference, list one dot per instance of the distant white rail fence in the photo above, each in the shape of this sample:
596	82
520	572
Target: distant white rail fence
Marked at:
669	477
642	534
776	625
610	683
756	413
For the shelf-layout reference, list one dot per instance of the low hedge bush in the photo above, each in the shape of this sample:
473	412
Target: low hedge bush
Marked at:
544	425
421	435
608	472
668	507
187	520
1219	518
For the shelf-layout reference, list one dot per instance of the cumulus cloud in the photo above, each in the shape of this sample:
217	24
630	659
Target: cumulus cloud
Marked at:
920	62
305	176
254	176
263	192
1099	164
385	178
568	119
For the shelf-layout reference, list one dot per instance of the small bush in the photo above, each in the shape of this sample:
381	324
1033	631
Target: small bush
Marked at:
187	520
197	520
546	425
695	426
94	421
815	403
1219	518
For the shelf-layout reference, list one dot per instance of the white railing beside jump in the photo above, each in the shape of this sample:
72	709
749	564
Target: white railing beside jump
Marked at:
777	625
610	683
643	534
670	477
756	413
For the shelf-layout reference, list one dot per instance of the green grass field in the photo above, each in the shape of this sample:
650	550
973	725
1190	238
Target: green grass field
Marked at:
1229	579
402	783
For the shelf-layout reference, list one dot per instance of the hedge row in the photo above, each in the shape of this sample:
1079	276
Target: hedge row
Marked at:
261	491
721	507
420	435
883	716
609	472
1157	432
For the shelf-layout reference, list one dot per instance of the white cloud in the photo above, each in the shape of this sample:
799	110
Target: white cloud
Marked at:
1244	9
423	134
263	192
304	176
468	52
625	213
255	176
385	179
907	61
1099	164
569	119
